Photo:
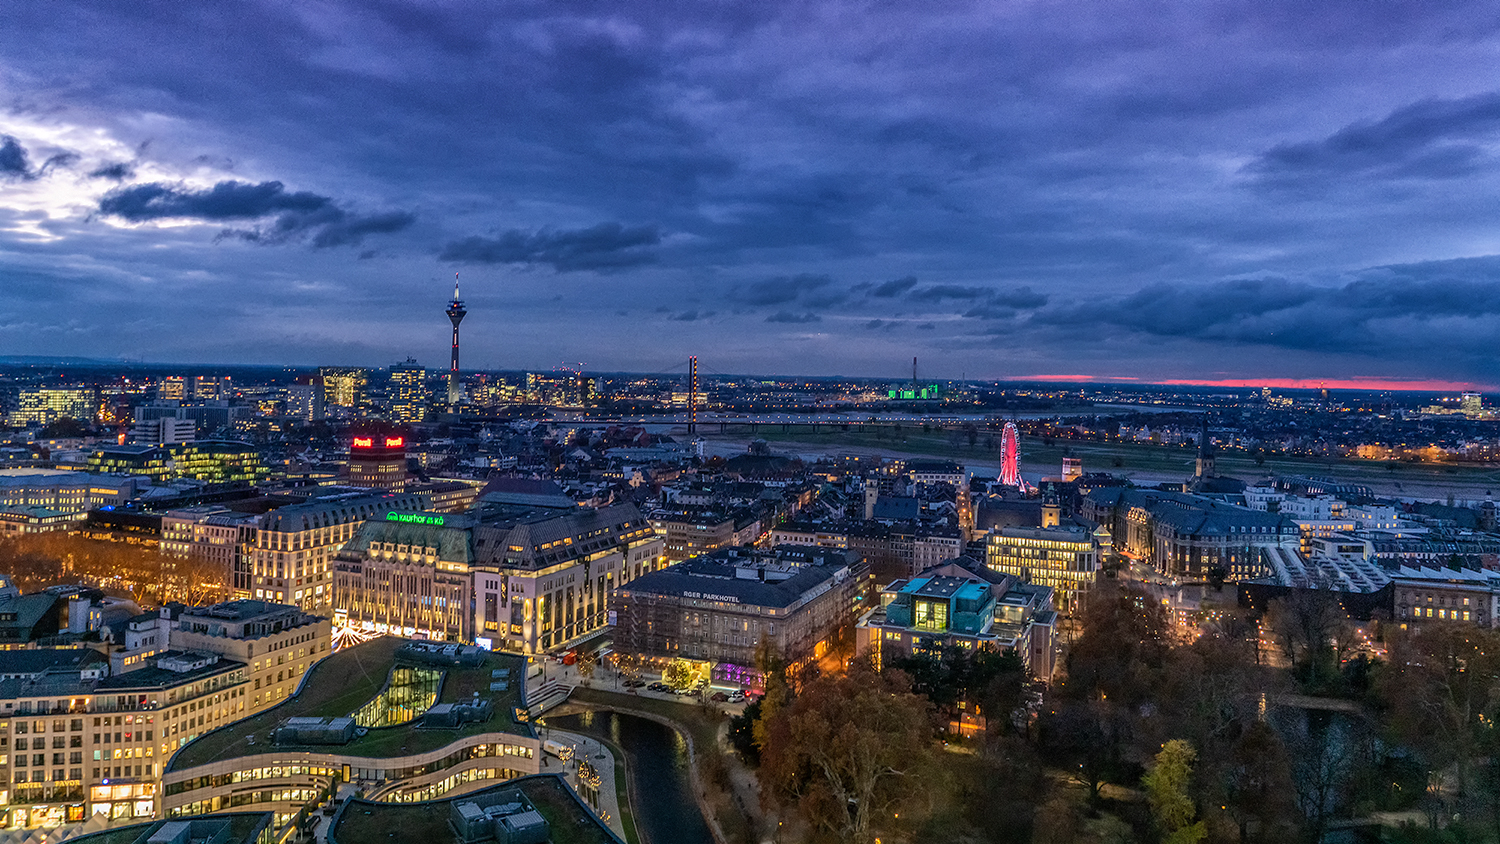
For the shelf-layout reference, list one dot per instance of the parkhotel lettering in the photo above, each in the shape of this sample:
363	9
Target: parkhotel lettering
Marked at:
704	596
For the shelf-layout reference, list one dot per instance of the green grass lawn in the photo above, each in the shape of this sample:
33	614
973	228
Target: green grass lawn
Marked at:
346	681
371	823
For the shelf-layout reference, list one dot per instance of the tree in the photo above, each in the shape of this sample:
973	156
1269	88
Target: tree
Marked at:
1167	791
588	661
1216	575
62	428
1441	692
742	732
1311	628
1321	749
1258	787
772	669
1123	648
678	674
852	753
993	681
1088	739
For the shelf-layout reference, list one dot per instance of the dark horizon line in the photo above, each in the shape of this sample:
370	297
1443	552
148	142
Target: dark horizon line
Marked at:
1071	382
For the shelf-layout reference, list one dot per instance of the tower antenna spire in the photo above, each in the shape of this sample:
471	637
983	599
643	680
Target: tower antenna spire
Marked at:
455	312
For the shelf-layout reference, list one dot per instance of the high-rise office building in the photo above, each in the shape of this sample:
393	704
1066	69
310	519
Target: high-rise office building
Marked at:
172	387
344	388
211	387
566	389
378	461
408	391
163	431
304	399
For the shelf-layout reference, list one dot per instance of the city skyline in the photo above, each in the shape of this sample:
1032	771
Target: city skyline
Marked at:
1231	196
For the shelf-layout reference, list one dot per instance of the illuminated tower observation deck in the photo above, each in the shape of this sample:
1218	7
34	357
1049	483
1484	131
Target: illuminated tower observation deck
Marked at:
456	312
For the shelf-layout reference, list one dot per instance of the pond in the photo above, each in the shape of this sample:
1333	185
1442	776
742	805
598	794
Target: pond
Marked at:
657	760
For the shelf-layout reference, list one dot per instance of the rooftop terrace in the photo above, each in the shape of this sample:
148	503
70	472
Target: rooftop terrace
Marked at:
342	684
363	822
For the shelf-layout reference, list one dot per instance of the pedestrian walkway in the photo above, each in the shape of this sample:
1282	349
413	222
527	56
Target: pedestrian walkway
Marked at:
585	749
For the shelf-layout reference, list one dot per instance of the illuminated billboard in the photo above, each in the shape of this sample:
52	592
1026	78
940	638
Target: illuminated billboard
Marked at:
369	442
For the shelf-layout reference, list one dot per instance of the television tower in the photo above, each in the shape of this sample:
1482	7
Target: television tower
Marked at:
456	312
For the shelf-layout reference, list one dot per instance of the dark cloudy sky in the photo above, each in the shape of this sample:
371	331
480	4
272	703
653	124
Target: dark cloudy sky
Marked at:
1196	190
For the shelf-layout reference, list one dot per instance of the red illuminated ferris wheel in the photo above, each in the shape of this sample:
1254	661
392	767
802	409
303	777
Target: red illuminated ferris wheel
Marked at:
1010	457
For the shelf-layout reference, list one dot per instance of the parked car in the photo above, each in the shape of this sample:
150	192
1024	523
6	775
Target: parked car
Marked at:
659	687
685	692
634	683
719	697
735	697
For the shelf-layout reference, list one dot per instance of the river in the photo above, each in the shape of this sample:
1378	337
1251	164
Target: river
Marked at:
657	762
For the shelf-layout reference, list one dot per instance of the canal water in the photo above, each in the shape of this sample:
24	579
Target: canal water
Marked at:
657	761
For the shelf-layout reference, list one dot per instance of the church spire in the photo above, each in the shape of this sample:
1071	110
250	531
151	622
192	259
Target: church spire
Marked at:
1205	466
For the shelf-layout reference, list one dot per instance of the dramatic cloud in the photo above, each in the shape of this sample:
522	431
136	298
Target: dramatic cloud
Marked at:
894	288
1384	310
224	201
297	215
1268	189
777	291
116	171
15	163
1429	139
939	292
607	246
789	317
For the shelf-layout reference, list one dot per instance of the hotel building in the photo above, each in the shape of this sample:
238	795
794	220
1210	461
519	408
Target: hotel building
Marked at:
715	609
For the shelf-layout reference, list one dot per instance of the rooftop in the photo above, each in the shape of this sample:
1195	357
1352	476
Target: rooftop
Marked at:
364	822
945	587
338	509
39	660
241	610
169	670
343	683
240	828
782	581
